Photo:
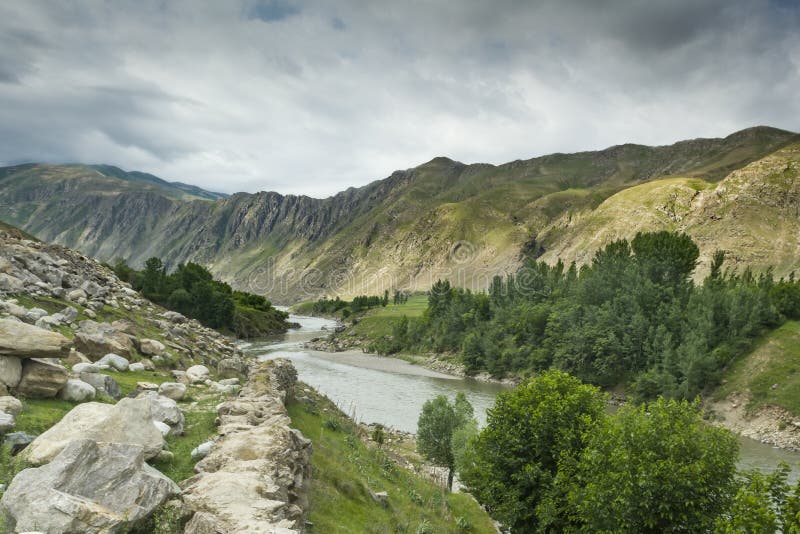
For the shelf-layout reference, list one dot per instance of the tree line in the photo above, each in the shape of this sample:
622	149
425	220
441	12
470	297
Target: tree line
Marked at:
633	315
192	290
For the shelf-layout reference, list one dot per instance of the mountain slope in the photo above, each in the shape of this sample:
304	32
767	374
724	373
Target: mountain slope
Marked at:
440	219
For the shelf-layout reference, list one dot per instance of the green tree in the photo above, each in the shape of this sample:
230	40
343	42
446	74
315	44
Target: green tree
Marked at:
153	279
655	468
533	438
437	423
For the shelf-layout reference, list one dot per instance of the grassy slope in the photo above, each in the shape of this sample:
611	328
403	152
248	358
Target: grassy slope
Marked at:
774	360
345	470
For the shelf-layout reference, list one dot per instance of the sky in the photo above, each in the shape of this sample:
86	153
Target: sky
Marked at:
311	97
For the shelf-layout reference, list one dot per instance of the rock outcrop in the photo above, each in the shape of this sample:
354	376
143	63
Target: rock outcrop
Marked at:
87	488
130	421
41	378
255	478
28	341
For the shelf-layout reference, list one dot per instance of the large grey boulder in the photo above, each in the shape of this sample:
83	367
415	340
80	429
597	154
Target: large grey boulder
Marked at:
10	371
172	390
88	487
77	391
9	404
164	410
27	341
115	361
129	421
98	339
7	422
151	347
197	374
103	384
41	378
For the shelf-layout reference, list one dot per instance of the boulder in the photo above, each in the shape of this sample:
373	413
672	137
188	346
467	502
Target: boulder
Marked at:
7	422
9	404
172	390
16	441
88	488
10	284
69	314
77	391
130	421
82	367
165	410
41	378
164	428
232	367
103	384
76	294
146	386
174	316
48	322
34	314
98	339
151	347
202	450
75	357
27	341
136	367
180	376
114	361
10	371
197	374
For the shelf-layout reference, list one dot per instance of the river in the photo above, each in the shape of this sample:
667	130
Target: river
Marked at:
377	389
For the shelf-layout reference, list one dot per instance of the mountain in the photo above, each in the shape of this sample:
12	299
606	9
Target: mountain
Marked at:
440	219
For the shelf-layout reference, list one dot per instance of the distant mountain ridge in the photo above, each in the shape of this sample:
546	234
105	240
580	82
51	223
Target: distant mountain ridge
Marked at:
439	219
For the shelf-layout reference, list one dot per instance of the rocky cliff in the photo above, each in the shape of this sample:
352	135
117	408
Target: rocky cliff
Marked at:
440	219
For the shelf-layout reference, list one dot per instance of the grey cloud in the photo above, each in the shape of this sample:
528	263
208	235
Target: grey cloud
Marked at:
314	96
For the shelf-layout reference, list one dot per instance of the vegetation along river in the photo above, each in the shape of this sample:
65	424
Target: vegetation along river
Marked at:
376	389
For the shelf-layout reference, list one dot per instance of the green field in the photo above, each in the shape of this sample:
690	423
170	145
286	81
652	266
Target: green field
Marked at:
345	471
775	361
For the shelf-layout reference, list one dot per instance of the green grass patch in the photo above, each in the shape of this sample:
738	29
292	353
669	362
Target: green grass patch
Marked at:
775	360
345	470
40	414
127	380
198	428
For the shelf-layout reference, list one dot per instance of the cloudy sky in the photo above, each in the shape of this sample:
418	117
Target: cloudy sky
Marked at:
312	96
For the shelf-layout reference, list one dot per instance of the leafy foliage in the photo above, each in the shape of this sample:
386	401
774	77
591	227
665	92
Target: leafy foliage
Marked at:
633	315
531	444
438	422
192	291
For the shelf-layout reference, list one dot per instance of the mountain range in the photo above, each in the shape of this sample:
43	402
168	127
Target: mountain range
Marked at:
441	219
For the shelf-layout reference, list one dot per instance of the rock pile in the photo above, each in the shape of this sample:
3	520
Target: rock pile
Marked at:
255	477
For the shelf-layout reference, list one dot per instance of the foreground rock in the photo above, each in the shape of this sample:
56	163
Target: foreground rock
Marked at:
28	341
88	488
98	339
130	421
41	378
255	477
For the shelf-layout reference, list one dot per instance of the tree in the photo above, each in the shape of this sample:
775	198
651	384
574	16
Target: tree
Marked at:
437	423
532	440
153	278
655	468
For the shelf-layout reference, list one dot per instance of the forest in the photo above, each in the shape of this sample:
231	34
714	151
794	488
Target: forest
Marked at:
192	290
633	315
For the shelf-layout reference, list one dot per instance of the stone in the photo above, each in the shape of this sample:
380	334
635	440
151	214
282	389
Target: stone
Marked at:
229	381
34	314
172	390
165	410
164	428
69	314
197	374
88	488
232	367
103	384
75	357
98	339
10	371
180	376
114	361
27	341
77	391
175	317
48	322
136	367
146	386
10	284
147	364
9	404
7	422
41	378
17	441
202	450
130	421
151	347
79	368
76	294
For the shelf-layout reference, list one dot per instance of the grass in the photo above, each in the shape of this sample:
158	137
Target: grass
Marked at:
40	414
775	360
127	380
198	427
345	471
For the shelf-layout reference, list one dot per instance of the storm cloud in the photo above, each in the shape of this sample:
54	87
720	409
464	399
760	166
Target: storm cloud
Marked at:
311	97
